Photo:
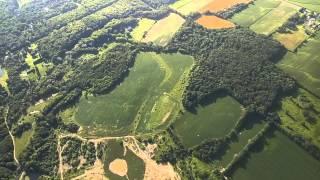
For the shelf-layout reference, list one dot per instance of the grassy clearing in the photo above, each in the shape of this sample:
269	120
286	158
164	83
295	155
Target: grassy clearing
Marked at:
222	5
304	65
162	31
214	22
212	121
237	144
274	19
115	150
292	39
4	77
22	142
313	5
300	115
143	27
278	158
254	12
148	95
187	7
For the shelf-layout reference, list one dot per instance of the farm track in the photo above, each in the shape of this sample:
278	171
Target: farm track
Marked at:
12	137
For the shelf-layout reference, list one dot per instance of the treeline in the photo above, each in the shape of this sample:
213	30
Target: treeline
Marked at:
236	61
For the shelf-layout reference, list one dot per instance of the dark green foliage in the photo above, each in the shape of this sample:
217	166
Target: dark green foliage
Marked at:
234	61
17	131
208	150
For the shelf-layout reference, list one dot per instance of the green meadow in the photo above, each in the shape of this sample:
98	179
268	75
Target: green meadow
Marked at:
304	65
278	158
212	121
269	23
313	5
149	94
254	12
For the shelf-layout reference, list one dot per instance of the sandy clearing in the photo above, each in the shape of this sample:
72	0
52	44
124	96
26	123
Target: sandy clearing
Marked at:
119	167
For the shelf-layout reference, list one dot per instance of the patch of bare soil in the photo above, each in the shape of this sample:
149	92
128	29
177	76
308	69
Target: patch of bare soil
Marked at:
119	167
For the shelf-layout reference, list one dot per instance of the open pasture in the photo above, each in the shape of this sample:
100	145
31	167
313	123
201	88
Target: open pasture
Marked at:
299	115
313	5
214	22
147	95
222	5
304	65
254	12
278	158
212	121
162	31
187	7
143	27
269	23
292	39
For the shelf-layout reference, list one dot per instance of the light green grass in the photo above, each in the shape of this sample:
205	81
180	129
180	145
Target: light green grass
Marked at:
254	12
186	7
294	120
279	158
212	121
144	25
120	111
304	65
22	142
313	5
4	77
269	23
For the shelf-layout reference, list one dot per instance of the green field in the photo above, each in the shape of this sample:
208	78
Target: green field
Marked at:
279	158
300	115
254	12
115	150
187	7
151	93
313	5
249	131
143	27
22	142
269	23
304	65
3	79
212	121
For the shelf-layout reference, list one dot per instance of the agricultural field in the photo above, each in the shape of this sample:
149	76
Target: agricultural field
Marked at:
300	115
291	40
214	22
222	5
222	115
187	7
278	158
313	5
148	94
304	65
269	23
254	12
143	27
163	30
237	144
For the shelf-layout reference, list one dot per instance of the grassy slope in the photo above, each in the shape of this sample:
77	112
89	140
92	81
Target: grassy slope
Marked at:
279	158
213	121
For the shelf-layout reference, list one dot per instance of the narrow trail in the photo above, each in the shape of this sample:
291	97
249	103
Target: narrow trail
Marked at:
12	137
59	149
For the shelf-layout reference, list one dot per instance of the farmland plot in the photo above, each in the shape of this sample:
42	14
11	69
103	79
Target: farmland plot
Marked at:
292	39
313	5
214	22
222	5
143	27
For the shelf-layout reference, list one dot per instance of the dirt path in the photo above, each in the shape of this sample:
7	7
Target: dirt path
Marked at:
12	137
59	149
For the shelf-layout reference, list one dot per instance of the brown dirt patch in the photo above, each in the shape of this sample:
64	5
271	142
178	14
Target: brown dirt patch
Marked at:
221	5
214	22
119	167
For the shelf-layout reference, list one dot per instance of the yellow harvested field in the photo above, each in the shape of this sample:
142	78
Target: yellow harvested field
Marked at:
293	39
3	79
214	22
221	5
143	27
162	31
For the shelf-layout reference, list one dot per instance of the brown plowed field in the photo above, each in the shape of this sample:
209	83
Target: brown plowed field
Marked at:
214	22
221	5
